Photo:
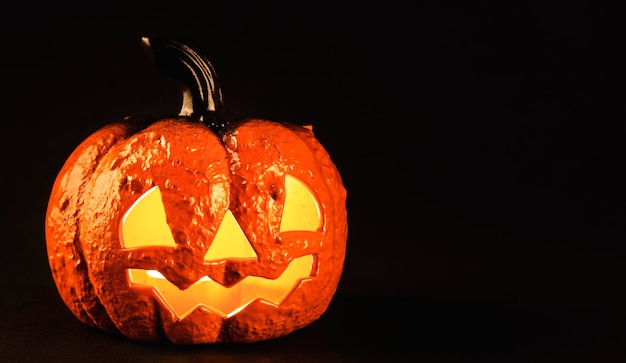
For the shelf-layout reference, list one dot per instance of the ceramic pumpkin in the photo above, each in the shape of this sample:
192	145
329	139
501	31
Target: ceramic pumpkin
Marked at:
197	228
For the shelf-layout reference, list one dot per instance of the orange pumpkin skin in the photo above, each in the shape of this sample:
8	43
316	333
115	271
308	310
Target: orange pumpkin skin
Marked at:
201	176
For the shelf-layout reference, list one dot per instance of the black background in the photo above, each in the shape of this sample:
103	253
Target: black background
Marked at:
481	145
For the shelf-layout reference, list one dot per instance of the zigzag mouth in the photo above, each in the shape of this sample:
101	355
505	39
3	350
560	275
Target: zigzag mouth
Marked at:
225	301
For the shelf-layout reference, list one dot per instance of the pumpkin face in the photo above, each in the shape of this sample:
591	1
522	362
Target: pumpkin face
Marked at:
168	230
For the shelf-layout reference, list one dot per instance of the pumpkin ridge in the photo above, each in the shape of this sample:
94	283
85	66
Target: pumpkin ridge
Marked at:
82	297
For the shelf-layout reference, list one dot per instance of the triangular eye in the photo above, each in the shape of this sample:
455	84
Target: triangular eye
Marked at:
301	211
145	223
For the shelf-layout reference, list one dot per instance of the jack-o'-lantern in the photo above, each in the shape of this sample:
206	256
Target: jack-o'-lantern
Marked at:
197	228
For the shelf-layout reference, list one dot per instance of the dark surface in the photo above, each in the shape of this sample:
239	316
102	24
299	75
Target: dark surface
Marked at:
39	328
482	148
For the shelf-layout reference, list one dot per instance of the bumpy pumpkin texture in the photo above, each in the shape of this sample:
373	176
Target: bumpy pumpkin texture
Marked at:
203	178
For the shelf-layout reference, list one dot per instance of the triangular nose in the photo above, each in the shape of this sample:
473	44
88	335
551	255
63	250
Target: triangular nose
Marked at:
229	242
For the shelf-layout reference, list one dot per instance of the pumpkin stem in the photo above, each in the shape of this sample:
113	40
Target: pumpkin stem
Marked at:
202	95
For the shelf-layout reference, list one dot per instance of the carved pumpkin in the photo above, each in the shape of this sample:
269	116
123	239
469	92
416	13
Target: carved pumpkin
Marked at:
166	228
